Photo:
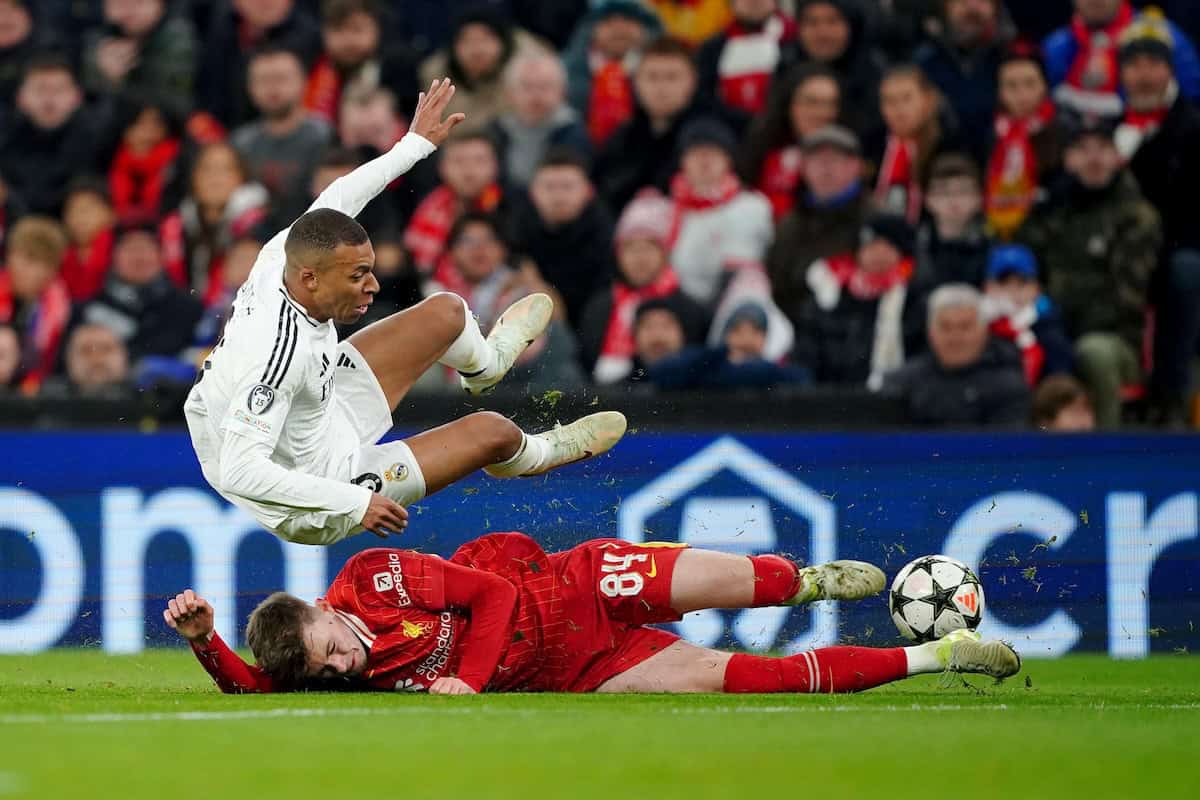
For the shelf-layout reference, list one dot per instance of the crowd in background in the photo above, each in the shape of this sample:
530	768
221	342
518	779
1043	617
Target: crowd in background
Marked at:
978	207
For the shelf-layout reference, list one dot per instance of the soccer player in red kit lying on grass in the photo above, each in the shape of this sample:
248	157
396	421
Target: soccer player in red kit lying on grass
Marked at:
501	615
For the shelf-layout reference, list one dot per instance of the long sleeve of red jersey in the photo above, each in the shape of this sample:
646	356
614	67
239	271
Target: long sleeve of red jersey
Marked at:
231	673
491	600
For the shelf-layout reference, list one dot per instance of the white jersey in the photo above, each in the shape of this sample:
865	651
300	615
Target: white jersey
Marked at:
267	427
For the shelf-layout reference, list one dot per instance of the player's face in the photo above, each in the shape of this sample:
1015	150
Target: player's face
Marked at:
333	649
346	287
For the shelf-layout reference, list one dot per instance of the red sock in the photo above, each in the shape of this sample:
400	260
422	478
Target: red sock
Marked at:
776	580
828	670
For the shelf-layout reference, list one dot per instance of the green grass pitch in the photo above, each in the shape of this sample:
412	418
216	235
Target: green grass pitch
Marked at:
79	724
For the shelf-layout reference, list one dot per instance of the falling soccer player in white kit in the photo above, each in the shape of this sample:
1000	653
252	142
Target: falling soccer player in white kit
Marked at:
285	420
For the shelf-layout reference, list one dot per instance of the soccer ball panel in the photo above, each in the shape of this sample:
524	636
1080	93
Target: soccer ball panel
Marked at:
918	584
935	595
919	616
947	573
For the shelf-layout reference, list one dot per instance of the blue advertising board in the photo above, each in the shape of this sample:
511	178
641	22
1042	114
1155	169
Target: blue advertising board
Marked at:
1082	543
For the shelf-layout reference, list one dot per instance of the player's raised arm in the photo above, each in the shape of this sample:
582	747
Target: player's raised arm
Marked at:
192	617
351	193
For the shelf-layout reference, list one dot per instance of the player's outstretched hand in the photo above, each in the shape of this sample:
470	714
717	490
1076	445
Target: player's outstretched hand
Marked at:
450	686
384	515
190	615
427	119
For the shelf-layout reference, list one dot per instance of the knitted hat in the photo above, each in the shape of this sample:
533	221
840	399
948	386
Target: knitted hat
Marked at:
893	229
648	216
748	311
708	131
1149	34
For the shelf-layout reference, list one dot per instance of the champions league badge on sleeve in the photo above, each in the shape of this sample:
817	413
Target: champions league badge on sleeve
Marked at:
260	399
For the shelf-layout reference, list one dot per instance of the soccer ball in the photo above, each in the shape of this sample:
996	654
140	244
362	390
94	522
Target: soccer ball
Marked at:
934	595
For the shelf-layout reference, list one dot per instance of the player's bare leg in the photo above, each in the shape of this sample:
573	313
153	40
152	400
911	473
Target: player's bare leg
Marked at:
708	579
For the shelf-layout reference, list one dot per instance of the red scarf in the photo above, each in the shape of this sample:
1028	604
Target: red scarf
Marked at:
1147	122
610	102
136	181
618	336
898	189
1095	72
781	174
687	200
85	267
430	225
1033	355
748	61
1013	172
324	90
867	285
43	329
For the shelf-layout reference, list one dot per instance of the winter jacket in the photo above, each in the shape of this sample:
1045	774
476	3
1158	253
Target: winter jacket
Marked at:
807	233
992	391
38	164
156	319
575	258
712	239
521	147
710	368
165	66
576	56
968	81
1097	251
1167	168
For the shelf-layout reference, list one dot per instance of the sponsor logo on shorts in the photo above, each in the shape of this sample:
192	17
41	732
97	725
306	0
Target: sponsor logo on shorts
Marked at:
260	399
383	582
396	472
435	662
397	578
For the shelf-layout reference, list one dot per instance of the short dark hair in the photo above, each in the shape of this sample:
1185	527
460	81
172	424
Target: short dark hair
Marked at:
88	184
322	230
947	166
336	12
275	634
669	46
270	49
478	135
49	61
564	156
477	218
1053	395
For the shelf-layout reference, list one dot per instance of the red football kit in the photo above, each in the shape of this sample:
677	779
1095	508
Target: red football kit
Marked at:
500	614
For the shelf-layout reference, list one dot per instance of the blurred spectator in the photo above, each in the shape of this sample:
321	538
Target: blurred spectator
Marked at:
379	218
916	132
10	358
737	363
718	221
1098	241
834	33
644	151
470	173
370	121
1158	136
222	205
1082	58
963	62
18	42
1017	310
1026	149
802	101
736	65
238	263
483	43
142	48
90	221
145	161
283	147
1061	405
97	367
553	22
660	330
692	21
643	273
826	220
355	60
480	254
952	246
12	208
151	315
33	297
566	232
852	329
600	60
537	118
51	139
237	28
966	378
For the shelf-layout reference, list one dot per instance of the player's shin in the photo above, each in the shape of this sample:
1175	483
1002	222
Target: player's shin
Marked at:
827	670
470	353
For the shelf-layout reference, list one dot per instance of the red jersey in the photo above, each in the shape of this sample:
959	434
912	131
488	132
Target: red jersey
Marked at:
501	614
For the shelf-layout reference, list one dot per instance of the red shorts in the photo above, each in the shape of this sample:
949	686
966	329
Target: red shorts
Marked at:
610	590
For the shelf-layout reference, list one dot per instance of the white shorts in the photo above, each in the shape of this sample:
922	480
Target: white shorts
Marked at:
390	468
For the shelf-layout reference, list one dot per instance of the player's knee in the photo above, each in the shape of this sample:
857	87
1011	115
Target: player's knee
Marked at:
498	435
446	311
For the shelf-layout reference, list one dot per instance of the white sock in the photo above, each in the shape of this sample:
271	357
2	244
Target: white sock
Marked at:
470	353
923	659
530	457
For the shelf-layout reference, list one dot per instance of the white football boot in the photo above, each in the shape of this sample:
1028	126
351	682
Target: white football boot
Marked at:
838	580
965	651
517	328
582	439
